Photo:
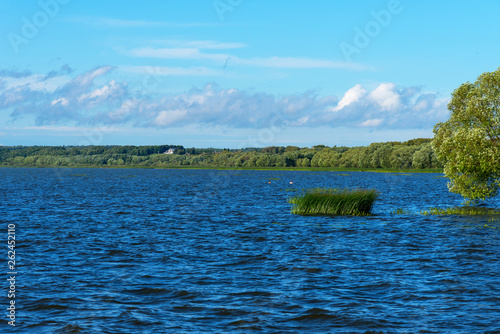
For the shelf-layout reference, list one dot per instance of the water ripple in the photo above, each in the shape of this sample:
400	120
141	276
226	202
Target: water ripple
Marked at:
200	251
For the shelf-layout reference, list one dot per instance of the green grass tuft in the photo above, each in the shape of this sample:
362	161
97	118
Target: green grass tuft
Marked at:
326	201
400	211
462	211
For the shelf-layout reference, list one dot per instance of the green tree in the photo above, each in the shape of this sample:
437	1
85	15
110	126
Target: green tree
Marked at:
280	161
291	148
402	157
350	158
425	158
326	158
381	157
370	156
305	162
263	161
18	161
468	142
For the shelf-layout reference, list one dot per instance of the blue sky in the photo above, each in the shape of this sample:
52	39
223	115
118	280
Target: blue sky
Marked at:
236	73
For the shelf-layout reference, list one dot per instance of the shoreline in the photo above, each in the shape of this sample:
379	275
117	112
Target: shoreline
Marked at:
300	169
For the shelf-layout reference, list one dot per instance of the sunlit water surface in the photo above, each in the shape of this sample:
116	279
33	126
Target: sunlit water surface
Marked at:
196	251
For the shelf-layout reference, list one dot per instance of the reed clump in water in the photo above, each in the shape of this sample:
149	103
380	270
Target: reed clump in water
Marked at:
462	211
327	201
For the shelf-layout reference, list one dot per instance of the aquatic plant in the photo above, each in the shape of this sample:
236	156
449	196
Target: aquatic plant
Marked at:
327	201
462	211
400	211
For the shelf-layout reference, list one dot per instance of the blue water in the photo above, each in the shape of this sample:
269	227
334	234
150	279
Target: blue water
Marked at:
201	251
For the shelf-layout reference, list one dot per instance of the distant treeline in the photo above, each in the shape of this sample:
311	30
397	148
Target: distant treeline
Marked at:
412	154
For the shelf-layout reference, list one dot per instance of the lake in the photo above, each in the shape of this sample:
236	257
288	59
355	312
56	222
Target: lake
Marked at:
201	251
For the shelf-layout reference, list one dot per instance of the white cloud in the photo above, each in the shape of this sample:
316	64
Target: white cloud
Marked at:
289	62
104	91
303	120
88	77
192	53
122	113
371	122
172	71
37	82
386	96
65	128
179	53
169	117
351	96
62	101
84	100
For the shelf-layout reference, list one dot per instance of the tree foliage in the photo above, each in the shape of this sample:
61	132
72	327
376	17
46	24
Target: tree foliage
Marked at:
468	142
395	155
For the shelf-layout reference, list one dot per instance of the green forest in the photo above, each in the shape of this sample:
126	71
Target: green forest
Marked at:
412	154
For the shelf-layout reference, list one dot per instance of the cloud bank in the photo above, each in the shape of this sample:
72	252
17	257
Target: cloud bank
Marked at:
95	98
